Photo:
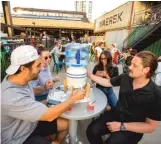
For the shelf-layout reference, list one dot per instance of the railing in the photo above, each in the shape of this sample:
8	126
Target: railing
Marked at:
8	44
145	21
47	40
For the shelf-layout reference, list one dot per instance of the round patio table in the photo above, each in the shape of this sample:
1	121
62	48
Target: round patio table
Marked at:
80	112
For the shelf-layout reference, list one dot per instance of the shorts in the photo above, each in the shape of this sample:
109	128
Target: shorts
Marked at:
42	130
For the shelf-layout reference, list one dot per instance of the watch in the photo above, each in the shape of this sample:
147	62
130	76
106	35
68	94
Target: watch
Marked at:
122	127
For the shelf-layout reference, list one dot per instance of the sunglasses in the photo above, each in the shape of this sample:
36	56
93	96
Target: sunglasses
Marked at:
103	58
47	57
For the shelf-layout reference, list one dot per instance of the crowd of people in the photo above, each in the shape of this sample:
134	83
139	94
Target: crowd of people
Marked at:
26	118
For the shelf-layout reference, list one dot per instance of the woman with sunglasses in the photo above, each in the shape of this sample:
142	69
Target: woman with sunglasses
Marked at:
105	69
45	79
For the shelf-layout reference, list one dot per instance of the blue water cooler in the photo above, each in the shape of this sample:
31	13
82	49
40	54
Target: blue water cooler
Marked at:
76	58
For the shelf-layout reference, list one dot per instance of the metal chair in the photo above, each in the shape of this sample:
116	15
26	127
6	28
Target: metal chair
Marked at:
5	62
57	63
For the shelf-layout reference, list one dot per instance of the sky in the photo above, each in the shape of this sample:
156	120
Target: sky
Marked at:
100	7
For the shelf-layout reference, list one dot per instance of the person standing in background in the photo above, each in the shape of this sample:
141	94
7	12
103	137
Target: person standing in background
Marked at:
98	51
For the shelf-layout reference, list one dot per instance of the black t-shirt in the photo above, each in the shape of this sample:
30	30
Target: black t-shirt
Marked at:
112	73
96	68
137	105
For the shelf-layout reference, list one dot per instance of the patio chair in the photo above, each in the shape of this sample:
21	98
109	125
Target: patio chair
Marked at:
4	63
57	64
92	54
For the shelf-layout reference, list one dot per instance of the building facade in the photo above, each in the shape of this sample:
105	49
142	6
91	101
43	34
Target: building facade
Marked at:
134	24
84	6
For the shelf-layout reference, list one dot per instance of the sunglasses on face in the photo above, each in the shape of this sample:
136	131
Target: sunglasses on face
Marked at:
47	57
103	58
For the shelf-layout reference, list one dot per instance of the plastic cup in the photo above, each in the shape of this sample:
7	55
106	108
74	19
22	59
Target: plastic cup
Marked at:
91	106
92	96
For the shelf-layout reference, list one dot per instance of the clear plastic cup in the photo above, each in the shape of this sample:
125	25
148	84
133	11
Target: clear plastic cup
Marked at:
92	96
